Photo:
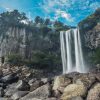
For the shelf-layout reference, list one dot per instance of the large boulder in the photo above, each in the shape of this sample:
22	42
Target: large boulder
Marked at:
94	93
17	95
40	93
73	90
60	82
10	91
86	79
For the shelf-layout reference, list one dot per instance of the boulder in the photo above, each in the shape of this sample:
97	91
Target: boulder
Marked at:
1	92
61	81
1	73
11	78
10	91
73	90
40	93
3	85
17	95
94	93
98	76
32	99
73	75
1	98
32	81
77	98
22	85
35	85
51	99
45	80
86	79
56	93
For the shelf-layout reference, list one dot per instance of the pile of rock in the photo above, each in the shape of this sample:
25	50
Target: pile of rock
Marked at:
19	83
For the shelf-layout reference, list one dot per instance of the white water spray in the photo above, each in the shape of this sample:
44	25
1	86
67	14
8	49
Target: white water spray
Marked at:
69	62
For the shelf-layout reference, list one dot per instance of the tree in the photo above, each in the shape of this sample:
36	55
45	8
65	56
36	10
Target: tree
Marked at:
12	18
37	19
47	21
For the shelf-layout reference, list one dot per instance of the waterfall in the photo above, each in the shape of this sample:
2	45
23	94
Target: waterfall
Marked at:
72	63
68	47
63	55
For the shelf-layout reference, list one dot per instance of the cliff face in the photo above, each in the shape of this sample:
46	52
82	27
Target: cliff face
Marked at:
14	41
92	37
90	30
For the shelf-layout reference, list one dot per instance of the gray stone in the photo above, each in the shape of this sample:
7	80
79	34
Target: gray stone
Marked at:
22	86
41	92
94	93
11	78
17	95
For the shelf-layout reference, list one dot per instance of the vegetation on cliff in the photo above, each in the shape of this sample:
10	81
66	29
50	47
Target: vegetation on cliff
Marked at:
91	21
90	30
42	40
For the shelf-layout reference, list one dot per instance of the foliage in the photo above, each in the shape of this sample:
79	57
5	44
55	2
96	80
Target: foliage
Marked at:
96	56
14	59
39	60
42	37
90	21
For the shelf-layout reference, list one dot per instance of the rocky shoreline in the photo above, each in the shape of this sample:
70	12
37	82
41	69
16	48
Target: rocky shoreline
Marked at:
20	83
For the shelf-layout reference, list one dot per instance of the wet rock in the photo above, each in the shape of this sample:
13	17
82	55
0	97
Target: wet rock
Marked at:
73	90
3	85
1	92
1	73
17	95
22	85
94	93
73	75
41	92
11	78
35	85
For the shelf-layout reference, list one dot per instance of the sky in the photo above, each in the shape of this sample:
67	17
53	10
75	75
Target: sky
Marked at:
68	11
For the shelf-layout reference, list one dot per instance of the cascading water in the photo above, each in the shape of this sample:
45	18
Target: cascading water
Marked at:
69	39
63	53
68	47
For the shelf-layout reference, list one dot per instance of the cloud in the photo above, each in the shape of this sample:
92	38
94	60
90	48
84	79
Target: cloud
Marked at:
57	7
94	5
65	15
8	9
69	9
